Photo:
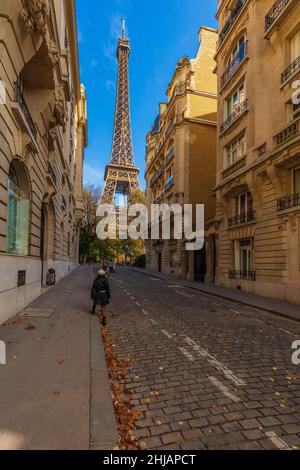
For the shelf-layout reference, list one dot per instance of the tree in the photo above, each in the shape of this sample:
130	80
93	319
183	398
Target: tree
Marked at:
91	196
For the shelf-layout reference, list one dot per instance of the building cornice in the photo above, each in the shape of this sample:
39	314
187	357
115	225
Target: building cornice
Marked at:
70	13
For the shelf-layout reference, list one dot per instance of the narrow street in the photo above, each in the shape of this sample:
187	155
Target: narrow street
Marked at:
205	373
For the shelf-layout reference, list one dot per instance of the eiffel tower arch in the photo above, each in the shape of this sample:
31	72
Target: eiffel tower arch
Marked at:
121	175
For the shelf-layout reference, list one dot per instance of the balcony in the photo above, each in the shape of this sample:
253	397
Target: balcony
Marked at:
234	167
288	202
231	20
291	69
155	177
170	156
237	60
237	113
22	113
243	275
241	219
287	134
276	13
51	175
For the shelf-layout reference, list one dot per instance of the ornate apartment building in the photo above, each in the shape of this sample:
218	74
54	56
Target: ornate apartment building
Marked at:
43	133
181	155
258	162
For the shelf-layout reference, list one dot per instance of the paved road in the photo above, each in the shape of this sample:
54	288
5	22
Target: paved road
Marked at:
205	373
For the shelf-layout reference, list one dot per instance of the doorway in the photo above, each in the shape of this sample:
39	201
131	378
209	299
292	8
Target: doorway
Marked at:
159	262
200	265
42	244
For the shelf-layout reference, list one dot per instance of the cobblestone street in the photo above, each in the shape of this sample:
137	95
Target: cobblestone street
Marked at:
205	373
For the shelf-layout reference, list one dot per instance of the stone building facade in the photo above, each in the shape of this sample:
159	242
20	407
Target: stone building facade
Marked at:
181	155
43	133
258	164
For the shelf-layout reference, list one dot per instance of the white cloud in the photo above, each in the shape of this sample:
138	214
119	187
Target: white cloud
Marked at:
94	63
110	86
92	175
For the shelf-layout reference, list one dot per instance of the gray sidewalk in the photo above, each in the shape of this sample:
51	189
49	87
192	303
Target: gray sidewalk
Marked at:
54	390
277	307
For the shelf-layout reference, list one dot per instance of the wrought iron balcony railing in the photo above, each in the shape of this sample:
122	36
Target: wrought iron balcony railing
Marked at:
290	70
286	134
243	275
51	173
170	156
23	106
288	202
231	20
234	65
234	116
241	219
230	170
275	13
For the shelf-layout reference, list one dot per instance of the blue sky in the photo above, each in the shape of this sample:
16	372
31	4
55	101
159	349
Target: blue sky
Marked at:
161	32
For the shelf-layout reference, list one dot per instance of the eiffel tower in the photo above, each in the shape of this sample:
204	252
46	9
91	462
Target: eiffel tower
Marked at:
121	175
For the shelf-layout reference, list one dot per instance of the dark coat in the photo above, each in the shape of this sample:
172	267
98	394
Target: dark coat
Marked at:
100	292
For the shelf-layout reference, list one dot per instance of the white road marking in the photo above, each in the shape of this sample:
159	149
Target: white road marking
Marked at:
154	279
217	364
145	312
174	286
184	294
187	354
277	441
223	389
234	311
288	332
153	321
138	304
217	305
167	334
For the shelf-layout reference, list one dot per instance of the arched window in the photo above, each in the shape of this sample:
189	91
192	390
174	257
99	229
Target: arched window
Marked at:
18	211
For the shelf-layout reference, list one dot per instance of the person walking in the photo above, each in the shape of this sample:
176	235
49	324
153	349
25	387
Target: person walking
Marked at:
101	295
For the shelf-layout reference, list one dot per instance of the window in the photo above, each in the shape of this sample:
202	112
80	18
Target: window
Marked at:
296	181
18	212
235	151
243	255
295	47
238	52
235	100
244	204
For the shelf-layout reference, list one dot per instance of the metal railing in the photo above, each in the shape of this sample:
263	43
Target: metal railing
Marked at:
288	202
51	173
234	65
234	116
240	219
275	13
22	103
170	155
231	20
242	274
290	70
286	134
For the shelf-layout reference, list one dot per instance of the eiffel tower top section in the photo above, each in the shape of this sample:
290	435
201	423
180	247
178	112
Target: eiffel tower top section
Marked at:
122	152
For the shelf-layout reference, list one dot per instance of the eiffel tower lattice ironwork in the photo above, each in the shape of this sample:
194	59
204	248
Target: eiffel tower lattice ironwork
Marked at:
121	175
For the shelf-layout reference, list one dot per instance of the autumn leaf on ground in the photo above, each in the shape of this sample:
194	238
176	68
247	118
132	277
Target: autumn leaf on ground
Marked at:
29	327
61	362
